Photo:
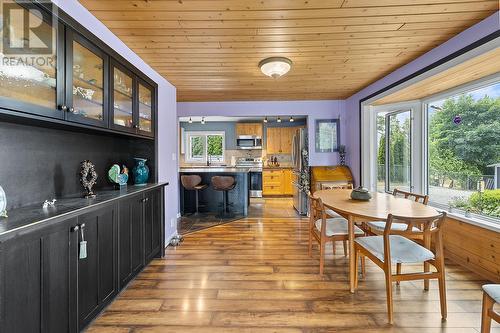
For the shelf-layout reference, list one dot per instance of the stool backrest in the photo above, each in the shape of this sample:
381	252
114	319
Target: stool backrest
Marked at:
190	181
223	182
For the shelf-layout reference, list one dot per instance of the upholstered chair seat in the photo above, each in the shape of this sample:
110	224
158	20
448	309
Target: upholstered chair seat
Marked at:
337	227
493	290
403	250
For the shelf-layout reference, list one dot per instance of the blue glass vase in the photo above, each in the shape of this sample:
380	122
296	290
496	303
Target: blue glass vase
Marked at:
140	172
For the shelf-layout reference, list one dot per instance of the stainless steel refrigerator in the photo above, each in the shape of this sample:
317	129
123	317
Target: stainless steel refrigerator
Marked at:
300	170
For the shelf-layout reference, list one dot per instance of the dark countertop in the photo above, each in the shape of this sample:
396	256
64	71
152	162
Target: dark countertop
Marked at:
24	217
221	169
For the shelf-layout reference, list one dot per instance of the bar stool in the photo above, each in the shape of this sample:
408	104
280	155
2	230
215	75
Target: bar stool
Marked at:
224	184
193	183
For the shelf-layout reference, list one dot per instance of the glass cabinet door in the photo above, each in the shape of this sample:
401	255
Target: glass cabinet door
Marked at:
123	97
29	75
145	116
88	66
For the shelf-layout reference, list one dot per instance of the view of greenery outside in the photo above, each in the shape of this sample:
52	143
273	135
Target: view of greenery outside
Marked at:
197	147
460	152
214	144
203	146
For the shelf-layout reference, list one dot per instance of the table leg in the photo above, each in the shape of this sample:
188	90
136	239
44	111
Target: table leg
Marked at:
352	257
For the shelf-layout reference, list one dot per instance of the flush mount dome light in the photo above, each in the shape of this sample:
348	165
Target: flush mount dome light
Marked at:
275	66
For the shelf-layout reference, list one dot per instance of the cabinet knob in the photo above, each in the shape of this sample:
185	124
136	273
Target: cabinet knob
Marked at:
72	109
63	107
75	228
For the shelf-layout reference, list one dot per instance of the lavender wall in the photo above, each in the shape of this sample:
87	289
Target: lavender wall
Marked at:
467	37
167	120
313	109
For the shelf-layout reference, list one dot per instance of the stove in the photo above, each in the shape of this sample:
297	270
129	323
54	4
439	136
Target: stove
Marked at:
254	164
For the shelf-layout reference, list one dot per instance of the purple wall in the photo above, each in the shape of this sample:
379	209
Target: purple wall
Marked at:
313	109
467	37
167	120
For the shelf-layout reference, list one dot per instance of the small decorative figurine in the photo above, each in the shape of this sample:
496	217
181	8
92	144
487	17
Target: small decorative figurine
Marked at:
88	178
117	176
3	203
140	172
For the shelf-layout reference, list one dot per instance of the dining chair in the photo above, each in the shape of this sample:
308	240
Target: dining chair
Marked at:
377	227
326	229
331	213
491	295
397	247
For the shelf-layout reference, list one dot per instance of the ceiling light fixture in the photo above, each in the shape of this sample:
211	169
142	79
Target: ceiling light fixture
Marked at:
190	120
278	120
275	66
265	119
291	119
203	120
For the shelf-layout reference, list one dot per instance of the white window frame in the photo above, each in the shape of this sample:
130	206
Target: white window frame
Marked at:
205	134
419	143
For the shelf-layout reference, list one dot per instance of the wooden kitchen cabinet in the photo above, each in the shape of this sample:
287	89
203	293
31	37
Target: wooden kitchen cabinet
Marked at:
279	140
277	182
254	129
287	182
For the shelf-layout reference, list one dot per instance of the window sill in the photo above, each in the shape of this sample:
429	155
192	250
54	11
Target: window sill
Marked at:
489	223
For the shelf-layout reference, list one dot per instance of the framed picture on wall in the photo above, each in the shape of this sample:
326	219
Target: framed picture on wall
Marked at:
327	135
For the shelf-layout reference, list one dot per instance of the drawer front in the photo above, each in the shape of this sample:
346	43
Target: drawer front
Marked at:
272	179
271	189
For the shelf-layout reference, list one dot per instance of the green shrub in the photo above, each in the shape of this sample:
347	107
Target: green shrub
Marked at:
487	202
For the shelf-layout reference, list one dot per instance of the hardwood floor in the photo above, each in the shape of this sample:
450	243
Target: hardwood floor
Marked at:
254	276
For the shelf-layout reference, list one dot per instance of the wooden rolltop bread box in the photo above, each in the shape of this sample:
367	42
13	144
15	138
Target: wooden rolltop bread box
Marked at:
326	176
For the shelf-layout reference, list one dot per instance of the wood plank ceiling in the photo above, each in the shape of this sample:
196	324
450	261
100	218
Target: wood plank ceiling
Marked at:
210	49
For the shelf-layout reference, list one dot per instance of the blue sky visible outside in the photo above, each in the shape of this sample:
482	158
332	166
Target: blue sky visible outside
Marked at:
491	91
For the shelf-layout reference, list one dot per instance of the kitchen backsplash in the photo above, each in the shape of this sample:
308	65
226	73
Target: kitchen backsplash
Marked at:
283	159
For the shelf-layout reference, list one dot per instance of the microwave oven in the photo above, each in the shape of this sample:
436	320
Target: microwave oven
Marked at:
249	142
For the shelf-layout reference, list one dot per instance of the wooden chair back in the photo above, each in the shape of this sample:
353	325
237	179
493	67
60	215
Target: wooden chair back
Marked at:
316	212
348	186
423	199
426	227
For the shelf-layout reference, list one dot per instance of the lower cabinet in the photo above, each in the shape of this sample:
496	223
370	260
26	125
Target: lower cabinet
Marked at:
130	230
277	182
35	281
96	271
51	281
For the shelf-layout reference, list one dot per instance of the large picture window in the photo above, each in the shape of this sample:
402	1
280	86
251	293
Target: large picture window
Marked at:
463	140
446	146
205	147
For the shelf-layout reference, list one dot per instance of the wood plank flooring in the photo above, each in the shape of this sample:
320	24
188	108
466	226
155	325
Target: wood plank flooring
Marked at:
254	276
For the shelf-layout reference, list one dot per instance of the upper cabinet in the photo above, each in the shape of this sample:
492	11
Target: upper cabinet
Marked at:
74	77
30	78
254	129
86	73
280	139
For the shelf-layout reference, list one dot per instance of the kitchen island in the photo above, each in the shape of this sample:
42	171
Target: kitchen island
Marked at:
210	199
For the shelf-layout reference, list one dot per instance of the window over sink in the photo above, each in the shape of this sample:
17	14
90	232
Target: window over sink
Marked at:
205	146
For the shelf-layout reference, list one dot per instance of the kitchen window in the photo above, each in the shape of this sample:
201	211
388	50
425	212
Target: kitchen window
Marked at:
205	146
446	145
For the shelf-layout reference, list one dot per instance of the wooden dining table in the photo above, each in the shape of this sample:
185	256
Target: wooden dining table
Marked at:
375	209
